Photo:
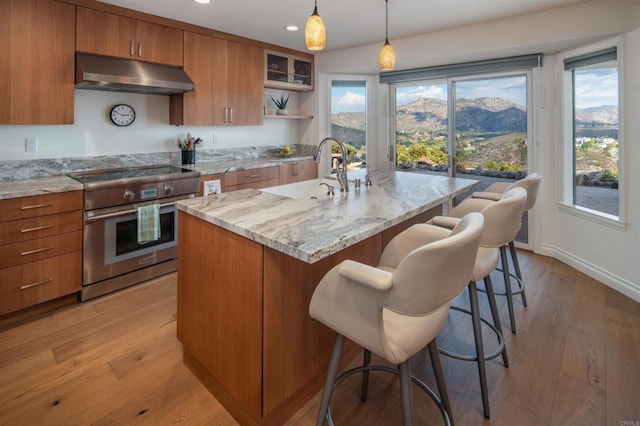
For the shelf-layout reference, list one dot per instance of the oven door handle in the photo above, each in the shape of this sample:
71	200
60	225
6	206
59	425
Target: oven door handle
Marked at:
121	213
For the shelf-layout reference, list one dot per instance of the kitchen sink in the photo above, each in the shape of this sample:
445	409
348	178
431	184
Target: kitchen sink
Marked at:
314	189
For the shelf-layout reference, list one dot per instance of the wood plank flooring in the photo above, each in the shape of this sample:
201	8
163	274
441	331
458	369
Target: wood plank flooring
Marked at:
116	361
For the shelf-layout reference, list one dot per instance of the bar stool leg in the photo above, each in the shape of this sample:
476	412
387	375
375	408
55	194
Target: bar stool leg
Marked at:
331	378
488	285
477	334
507	285
406	394
516	266
434	354
365	375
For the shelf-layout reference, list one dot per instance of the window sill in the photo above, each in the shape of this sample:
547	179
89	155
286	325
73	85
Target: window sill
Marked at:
593	216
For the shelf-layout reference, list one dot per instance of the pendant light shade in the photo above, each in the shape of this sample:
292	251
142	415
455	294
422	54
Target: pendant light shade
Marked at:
315	36
387	58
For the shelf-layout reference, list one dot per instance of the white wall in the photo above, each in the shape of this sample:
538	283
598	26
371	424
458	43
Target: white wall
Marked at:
609	254
92	134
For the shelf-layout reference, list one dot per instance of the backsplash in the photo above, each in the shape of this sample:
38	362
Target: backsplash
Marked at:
27	169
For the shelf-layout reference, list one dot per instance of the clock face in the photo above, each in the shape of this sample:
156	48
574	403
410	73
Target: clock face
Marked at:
122	115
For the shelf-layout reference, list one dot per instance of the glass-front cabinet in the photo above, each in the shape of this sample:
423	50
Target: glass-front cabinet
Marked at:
283	71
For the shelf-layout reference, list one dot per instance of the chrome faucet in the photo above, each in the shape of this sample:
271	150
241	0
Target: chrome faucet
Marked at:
342	167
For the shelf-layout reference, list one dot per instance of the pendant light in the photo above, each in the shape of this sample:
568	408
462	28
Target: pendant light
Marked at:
387	58
315	35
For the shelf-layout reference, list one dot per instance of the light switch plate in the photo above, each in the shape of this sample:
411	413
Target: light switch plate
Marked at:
31	145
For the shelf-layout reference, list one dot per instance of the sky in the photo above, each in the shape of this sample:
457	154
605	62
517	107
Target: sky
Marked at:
593	88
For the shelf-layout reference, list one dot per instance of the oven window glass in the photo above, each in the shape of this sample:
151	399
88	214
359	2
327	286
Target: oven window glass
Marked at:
127	234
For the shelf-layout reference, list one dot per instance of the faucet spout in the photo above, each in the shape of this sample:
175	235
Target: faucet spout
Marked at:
342	166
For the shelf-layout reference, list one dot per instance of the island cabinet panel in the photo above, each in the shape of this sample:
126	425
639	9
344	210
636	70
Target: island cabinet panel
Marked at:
297	171
114	35
228	83
297	348
37	43
220	311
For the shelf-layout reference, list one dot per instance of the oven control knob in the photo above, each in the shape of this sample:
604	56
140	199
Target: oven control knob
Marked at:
168	189
129	195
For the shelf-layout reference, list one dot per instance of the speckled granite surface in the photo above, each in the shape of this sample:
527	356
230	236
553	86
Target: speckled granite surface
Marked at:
312	229
33	177
37	186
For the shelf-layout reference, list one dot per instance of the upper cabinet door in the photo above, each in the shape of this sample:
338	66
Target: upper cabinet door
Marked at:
205	61
228	83
159	43
108	34
105	33
245	89
283	71
37	69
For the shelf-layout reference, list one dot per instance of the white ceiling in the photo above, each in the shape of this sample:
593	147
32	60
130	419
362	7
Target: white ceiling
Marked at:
349	23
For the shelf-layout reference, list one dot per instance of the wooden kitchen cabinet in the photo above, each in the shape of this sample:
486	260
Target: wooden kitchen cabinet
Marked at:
297	171
40	249
284	71
114	35
228	83
37	45
253	178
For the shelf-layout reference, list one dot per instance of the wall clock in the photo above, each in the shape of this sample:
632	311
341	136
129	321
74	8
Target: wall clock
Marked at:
122	115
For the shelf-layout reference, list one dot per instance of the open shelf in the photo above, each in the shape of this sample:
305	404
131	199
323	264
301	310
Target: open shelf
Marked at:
295	117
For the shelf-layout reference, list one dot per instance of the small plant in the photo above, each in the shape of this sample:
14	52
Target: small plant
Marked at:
281	102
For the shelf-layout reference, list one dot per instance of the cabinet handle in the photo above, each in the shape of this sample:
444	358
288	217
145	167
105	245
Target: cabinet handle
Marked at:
40	250
132	46
26	286
253	176
230	115
140	49
35	206
37	228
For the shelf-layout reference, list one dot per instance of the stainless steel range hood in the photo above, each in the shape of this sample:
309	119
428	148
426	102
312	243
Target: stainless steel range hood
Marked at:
127	75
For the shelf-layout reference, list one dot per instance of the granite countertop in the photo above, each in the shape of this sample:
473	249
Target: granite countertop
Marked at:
38	186
311	229
234	165
62	183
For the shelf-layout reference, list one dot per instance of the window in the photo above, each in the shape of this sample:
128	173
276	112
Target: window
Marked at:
349	121
592	131
474	126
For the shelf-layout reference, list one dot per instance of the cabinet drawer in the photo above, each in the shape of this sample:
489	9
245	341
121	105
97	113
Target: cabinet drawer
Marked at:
36	282
38	227
254	185
38	205
30	251
242	177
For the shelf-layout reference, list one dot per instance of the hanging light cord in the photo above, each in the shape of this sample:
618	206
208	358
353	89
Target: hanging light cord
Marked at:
386	31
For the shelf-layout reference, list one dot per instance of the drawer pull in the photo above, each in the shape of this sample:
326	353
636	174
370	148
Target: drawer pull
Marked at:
36	206
253	176
26	286
40	250
37	228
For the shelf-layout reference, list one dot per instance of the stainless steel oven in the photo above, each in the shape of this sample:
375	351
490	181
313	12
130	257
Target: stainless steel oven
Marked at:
113	256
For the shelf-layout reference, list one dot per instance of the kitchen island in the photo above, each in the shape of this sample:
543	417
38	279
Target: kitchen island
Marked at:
248	263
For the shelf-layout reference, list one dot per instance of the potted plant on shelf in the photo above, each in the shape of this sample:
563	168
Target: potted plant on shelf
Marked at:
281	104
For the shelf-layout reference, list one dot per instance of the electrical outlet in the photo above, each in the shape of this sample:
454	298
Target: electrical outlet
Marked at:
31	145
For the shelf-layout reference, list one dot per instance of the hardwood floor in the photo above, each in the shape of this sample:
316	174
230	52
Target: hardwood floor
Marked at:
116	360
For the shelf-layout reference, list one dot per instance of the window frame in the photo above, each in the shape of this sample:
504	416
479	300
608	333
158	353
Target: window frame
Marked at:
565	200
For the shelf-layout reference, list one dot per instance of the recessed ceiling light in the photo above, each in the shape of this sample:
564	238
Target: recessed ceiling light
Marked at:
291	28
202	1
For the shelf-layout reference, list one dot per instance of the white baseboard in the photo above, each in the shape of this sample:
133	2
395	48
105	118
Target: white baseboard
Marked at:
608	278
